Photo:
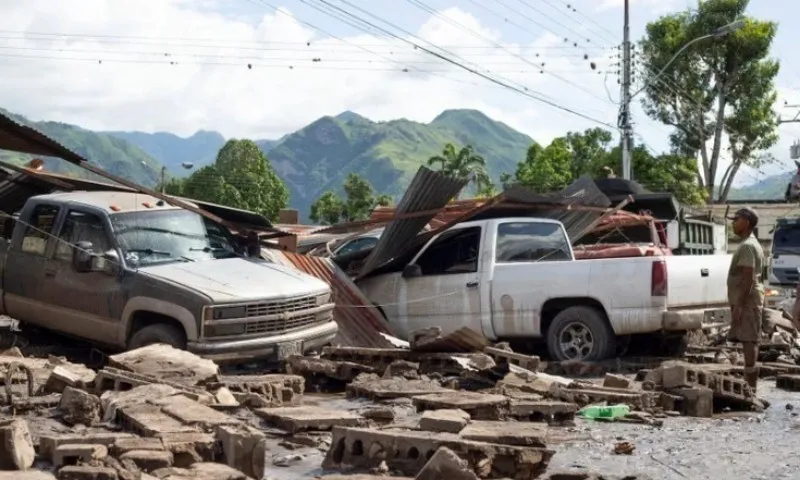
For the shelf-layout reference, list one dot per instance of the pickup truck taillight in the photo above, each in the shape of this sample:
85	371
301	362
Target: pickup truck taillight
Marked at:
658	279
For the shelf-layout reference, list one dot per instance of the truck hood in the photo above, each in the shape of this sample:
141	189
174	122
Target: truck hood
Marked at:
238	279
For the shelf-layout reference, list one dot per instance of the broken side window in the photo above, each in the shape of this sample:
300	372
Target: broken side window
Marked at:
531	242
81	227
39	229
453	252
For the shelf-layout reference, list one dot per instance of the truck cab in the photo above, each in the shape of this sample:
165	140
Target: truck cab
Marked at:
125	270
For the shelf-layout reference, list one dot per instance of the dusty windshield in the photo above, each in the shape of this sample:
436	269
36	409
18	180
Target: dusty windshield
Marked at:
163	236
787	240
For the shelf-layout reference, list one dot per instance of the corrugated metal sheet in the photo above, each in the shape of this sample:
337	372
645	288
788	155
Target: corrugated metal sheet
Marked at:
463	340
21	138
360	323
429	190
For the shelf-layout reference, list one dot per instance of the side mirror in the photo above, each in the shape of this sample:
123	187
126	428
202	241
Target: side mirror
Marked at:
254	250
412	271
82	257
107	263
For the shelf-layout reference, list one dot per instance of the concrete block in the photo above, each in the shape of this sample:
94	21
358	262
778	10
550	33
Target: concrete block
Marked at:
244	449
548	411
87	472
790	382
49	443
148	460
373	387
16	452
523	434
124	445
72	454
408	451
616	381
79	407
446	464
697	401
528	362
187	443
444	420
62	377
480	406
295	419
191	412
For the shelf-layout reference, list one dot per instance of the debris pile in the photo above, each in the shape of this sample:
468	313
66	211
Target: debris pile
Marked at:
451	405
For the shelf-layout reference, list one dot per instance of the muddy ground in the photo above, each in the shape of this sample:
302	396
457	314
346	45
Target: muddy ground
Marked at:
732	446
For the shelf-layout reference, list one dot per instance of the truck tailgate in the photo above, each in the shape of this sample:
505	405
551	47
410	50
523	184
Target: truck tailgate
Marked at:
697	280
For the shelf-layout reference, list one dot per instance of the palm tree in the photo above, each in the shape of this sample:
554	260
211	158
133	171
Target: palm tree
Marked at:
464	163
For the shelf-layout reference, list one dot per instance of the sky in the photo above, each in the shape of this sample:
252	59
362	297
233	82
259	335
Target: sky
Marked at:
263	68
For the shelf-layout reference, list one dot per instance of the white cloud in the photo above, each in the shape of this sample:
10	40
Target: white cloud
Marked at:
211	87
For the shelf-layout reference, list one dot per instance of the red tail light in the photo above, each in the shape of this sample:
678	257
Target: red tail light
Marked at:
658	279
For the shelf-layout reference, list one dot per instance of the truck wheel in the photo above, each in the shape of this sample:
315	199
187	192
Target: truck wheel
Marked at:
158	333
580	333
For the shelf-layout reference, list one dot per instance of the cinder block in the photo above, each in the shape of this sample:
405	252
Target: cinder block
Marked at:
616	381
697	401
71	454
788	382
86	472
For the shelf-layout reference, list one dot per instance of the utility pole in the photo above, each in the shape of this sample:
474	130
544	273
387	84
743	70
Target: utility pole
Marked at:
625	109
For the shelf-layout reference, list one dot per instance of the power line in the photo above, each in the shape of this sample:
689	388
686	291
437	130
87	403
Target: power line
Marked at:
420	4
478	73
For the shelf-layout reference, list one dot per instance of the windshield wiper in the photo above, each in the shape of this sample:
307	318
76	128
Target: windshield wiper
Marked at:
150	251
208	249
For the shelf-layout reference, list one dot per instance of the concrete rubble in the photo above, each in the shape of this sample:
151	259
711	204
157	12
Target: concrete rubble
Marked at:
468	411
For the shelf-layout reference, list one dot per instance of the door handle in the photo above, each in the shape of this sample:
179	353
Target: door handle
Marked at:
472	284
50	272
704	272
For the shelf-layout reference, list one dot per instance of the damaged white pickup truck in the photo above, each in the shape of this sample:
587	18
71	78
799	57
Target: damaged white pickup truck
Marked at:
517	278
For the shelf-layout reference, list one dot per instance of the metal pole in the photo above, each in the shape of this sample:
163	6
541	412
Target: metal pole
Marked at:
625	113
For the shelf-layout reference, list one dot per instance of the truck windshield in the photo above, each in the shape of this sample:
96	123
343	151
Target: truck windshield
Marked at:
786	240
161	236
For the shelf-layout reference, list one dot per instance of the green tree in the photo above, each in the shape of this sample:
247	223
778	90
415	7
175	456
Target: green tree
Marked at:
360	199
462	163
327	209
544	169
716	86
673	173
588	150
241	177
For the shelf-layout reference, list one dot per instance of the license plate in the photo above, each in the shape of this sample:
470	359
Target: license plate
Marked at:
286	350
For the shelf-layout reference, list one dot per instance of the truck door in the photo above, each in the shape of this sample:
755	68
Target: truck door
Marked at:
26	260
448	293
86	304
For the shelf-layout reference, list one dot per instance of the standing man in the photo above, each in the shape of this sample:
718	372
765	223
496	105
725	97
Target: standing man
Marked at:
746	291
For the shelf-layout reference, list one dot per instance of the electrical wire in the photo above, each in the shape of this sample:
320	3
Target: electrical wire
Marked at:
447	59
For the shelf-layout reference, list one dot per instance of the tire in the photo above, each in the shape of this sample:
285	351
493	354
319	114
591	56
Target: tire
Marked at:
158	333
595	339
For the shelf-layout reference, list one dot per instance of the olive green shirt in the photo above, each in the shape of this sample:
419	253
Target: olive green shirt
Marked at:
749	254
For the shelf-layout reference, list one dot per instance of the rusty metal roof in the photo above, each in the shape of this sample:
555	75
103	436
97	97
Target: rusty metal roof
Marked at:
463	340
17	137
428	191
360	322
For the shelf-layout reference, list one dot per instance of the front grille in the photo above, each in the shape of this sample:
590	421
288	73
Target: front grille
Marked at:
283	306
278	325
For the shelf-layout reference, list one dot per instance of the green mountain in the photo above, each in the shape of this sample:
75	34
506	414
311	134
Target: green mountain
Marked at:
112	154
172	150
770	188
319	156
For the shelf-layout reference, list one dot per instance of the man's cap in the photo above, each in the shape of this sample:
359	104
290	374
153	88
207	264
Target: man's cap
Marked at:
746	213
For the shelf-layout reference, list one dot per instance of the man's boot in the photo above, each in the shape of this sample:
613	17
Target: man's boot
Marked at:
751	377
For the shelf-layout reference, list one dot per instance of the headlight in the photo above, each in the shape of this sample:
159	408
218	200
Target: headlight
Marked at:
225	313
323	299
771	292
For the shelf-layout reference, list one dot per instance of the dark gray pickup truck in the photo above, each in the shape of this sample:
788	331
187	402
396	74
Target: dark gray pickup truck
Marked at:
125	270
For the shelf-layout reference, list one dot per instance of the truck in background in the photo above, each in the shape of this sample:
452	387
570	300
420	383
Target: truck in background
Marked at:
518	279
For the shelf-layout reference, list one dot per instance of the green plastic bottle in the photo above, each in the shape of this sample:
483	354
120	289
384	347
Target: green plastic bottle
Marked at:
605	413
